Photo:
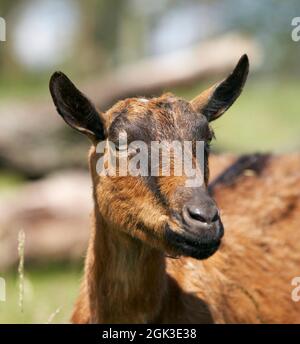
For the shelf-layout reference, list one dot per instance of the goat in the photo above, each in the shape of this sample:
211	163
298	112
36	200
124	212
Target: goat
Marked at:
140	224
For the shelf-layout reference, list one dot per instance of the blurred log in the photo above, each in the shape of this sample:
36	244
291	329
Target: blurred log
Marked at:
54	213
152	76
34	140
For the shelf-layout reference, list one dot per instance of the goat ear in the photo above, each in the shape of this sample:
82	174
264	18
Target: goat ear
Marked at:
75	108
213	102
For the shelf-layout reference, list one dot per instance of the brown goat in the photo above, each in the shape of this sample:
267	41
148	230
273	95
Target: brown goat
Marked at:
137	221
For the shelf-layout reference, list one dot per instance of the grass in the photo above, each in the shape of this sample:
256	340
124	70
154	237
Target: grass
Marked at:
24	87
21	246
49	292
9	180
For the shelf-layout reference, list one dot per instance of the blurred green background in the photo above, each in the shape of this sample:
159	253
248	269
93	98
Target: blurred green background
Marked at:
90	40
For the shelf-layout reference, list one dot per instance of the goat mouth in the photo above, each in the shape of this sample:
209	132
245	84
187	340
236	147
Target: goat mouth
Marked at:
191	246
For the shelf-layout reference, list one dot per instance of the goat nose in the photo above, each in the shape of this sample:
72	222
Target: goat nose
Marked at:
195	213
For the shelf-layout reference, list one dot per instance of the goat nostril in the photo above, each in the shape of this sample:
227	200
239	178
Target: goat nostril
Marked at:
216	217
196	214
200	215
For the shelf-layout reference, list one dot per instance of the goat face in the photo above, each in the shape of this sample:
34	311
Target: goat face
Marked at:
163	210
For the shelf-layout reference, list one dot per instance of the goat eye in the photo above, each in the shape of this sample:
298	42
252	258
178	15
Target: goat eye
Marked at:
207	145
126	150
131	151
